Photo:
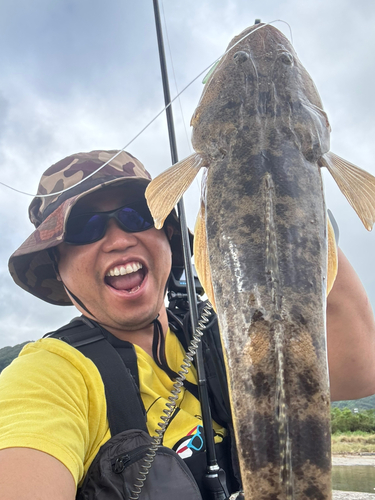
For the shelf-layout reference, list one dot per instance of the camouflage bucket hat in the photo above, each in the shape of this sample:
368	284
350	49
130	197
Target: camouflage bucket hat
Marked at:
31	266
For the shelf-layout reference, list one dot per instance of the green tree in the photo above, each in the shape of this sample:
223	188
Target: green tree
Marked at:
344	420
8	354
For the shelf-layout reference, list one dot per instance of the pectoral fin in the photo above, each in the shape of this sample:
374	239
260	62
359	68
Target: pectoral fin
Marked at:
201	259
357	185
332	257
164	192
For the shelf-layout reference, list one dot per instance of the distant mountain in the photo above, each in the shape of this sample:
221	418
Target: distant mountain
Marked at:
7	354
360	404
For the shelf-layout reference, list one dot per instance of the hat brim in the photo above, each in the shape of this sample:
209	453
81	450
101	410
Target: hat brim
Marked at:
31	266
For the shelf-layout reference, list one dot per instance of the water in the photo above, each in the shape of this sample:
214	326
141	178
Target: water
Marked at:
354	478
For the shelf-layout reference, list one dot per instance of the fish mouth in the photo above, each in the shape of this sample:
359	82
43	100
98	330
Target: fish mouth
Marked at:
126	278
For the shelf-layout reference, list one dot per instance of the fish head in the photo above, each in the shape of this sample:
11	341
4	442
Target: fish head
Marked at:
260	89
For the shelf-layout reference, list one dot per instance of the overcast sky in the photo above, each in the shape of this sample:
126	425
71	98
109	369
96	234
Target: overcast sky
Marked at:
79	75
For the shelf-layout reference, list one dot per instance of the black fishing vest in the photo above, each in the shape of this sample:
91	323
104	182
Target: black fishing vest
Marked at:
120	463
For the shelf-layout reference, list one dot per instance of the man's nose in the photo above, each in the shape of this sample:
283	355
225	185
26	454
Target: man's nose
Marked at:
116	238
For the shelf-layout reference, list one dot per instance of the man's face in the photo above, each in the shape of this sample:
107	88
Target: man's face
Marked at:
129	301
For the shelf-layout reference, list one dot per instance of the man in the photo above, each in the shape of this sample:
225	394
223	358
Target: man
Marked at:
95	247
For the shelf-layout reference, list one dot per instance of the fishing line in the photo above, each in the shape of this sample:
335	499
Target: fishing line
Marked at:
290	29
146	126
174	78
196	180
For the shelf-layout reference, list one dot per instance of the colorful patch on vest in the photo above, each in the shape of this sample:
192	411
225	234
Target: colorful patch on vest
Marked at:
190	444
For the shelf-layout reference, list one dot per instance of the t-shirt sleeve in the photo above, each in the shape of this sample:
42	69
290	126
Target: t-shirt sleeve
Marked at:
52	399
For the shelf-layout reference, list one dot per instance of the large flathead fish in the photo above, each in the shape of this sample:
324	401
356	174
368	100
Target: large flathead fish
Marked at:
261	247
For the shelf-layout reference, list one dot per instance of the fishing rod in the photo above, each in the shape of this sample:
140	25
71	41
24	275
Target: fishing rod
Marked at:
215	476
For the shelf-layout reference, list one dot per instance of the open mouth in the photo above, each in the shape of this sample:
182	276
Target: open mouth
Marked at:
127	278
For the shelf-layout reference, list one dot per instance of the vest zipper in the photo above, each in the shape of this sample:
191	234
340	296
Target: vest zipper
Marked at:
123	461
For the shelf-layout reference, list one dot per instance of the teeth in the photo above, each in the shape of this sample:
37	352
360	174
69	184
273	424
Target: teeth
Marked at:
127	269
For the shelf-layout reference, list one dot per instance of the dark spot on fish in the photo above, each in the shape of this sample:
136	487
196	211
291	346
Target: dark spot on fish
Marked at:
311	442
265	449
219	288
299	473
288	133
298	269
286	177
274	139
302	320
261	384
314	493
212	229
309	155
319	343
257	316
276	317
308	384
252	300
248	187
230	105
252	221
297	316
282	210
241	56
226	206
314	153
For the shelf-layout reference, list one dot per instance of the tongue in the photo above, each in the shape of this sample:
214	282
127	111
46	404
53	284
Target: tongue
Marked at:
127	282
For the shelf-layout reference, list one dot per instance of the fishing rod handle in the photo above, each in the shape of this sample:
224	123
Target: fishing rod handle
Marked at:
215	484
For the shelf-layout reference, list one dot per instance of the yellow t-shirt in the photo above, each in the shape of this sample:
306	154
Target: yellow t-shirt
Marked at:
52	399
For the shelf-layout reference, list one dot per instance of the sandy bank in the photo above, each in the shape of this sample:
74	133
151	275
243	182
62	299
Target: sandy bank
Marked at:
352	495
353	460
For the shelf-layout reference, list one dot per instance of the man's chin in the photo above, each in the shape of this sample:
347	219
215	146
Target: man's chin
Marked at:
130	323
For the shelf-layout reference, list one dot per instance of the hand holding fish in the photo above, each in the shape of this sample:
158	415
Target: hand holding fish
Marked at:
266	256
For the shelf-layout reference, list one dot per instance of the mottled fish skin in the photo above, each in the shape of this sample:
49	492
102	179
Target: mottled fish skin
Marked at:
260	121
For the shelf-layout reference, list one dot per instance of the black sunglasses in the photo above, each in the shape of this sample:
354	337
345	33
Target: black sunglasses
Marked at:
90	227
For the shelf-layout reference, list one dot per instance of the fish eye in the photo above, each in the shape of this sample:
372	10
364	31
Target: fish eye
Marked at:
241	56
286	58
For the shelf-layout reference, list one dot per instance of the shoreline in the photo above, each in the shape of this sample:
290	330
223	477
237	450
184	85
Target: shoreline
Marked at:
351	495
355	459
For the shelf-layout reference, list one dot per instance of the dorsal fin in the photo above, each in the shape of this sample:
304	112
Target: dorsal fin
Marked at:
357	185
164	192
